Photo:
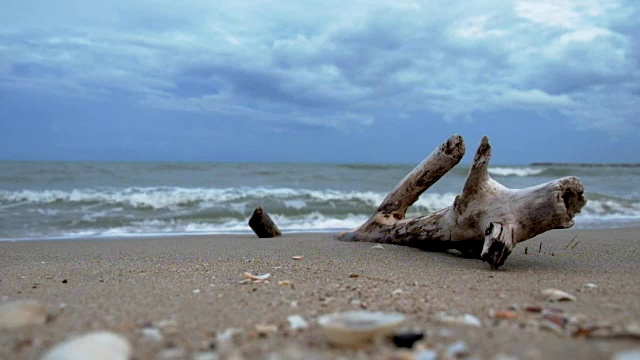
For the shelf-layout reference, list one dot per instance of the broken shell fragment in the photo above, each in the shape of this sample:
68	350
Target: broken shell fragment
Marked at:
353	328
249	276
285	283
466	319
378	246
297	257
507	314
102	345
21	313
297	322
557	295
264	330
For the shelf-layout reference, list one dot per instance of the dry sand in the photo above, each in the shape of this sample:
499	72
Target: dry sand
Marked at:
189	288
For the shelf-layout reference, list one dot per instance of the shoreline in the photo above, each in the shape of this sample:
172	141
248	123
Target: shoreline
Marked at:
124	286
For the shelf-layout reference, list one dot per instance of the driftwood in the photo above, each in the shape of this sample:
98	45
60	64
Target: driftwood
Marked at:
486	221
261	224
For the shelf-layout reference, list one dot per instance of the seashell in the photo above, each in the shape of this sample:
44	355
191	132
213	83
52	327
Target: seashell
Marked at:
297	322
590	285
100	345
285	282
466	319
264	330
20	313
262	277
151	334
298	257
378	246
507	314
557	295
457	349
358	327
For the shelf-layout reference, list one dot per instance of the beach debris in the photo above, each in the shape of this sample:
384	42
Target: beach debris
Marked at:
285	283
627	355
590	286
262	224
378	246
297	257
19	313
354	275
465	319
557	295
555	318
64	281
258	279
266	329
150	333
533	309
102	345
406	339
196	291
457	349
505	315
532	211
358	327
396	292
297	322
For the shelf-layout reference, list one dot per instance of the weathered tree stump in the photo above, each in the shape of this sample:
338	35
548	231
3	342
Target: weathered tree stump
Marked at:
262	225
486	221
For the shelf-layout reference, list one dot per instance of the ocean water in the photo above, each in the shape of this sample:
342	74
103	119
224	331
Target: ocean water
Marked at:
98	199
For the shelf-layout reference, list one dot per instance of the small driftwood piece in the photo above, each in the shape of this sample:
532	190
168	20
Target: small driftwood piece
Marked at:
486	221
262	225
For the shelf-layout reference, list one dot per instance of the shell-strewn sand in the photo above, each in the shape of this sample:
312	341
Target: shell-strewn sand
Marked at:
188	289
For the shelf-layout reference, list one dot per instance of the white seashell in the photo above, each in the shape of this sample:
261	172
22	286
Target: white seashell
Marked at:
100	345
396	292
378	246
298	257
297	322
20	313
466	319
249	276
457	349
557	295
358	327
590	285
152	334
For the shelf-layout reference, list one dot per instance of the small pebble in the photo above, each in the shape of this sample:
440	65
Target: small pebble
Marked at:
407	339
196	291
354	275
590	285
172	353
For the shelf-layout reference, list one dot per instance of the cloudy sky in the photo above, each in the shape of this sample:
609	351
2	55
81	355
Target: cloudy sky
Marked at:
319	81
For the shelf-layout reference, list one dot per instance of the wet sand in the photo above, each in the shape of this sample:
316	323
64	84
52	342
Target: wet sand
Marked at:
190	289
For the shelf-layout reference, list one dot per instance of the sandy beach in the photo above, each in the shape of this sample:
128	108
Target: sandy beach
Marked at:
189	289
